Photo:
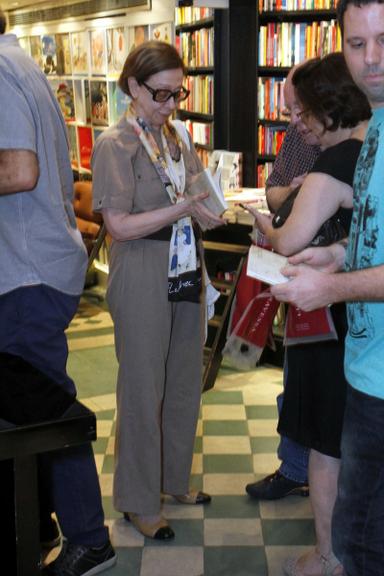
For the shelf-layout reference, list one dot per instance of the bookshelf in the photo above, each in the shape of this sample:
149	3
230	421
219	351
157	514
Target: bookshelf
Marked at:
200	39
290	31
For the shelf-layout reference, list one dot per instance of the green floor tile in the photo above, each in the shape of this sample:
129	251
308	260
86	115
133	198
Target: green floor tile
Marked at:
232	507
196	481
108	464
225	428
109	512
261	412
264	444
231	463
198	447
93	331
100	445
283	532
94	371
221	397
188	533
106	415
235	561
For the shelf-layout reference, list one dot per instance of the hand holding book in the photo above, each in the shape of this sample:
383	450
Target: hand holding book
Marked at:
213	204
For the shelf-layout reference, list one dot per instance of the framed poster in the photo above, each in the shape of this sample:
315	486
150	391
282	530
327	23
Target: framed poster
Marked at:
24	43
140	35
79	45
49	54
163	32
63	54
99	103
117	49
98	52
36	50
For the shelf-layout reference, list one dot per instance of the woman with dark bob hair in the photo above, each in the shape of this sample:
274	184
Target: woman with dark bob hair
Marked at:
319	213
142	168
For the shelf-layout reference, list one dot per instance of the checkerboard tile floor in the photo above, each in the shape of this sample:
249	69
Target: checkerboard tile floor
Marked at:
236	443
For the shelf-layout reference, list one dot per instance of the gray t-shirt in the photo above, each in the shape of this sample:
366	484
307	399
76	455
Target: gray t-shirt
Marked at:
39	240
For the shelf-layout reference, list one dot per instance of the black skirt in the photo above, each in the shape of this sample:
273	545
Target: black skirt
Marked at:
315	391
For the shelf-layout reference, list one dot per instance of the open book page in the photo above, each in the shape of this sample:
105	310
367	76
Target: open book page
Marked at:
205	182
265	265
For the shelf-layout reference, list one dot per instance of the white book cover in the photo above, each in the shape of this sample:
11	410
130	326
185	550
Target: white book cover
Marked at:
205	182
265	265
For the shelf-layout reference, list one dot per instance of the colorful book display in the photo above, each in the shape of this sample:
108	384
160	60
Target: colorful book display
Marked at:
189	15
293	5
288	43
270	139
201	97
197	47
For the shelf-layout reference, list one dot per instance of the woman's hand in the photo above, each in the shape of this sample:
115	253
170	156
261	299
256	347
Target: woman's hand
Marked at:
262	221
197	210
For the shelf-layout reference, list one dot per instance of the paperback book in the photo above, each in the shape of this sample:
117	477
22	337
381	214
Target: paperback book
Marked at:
265	265
205	182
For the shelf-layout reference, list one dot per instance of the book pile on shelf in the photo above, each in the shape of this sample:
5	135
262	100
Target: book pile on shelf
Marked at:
201	132
270	99
196	48
267	5
201	97
236	213
270	139
288	43
188	15
82	68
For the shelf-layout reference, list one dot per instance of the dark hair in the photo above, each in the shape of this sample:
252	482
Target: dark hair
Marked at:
3	22
325	88
147	59
342	6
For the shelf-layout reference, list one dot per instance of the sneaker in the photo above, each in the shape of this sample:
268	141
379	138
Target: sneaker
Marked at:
49	534
276	486
78	560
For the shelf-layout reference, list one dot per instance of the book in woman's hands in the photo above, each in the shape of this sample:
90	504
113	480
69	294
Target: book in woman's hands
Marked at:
265	265
205	182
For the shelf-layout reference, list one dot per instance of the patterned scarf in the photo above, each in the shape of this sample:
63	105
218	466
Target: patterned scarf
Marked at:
183	258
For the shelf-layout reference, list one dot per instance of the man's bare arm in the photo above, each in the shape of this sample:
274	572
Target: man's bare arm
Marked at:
309	289
19	171
276	195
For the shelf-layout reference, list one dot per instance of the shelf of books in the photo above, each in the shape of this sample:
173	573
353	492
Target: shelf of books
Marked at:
82	68
195	42
290	32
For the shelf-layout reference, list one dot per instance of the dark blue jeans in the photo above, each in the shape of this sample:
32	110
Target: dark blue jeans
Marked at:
358	518
293	456
32	324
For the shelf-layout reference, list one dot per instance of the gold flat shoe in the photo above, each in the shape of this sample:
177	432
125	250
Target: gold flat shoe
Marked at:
193	498
160	530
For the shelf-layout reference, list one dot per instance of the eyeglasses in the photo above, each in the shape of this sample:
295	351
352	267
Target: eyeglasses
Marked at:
303	114
161	95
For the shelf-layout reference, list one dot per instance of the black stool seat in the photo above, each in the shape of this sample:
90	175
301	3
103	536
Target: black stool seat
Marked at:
22	444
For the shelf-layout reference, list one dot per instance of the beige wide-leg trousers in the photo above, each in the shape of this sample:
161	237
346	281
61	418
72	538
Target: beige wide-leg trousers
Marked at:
159	349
